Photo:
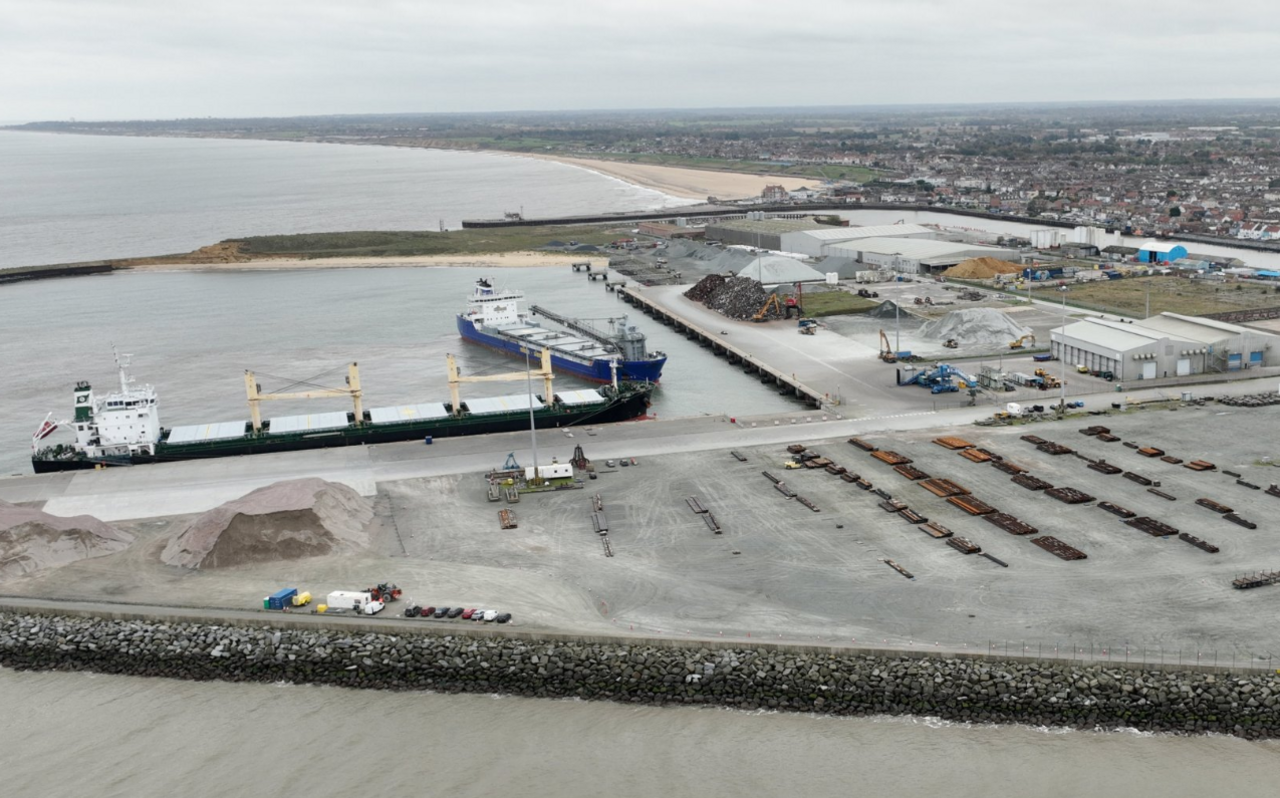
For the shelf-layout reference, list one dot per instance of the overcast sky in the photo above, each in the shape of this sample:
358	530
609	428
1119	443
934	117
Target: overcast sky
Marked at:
130	59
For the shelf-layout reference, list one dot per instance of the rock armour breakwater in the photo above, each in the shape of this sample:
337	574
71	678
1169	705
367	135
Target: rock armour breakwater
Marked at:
841	683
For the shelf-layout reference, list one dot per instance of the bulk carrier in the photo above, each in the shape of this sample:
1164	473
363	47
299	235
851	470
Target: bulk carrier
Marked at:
122	428
497	319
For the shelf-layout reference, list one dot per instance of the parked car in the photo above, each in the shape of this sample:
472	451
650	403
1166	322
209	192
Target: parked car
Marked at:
625	462
466	614
610	463
478	615
373	607
427	612
441	612
455	612
503	617
412	611
490	615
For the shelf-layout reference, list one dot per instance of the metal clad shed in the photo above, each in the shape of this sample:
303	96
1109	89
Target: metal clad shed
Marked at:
1152	251
914	255
217	431
309	422
816	242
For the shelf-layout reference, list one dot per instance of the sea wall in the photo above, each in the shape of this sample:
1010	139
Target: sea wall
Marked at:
835	682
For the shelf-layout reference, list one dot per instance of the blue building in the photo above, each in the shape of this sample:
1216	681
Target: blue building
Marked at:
1153	251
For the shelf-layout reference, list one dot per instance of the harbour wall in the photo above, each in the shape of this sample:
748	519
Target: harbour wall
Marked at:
59	270
974	689
748	362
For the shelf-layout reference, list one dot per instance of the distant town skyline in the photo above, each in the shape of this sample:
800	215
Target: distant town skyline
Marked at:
147	59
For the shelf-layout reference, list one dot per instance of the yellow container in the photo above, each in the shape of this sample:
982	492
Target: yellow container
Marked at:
302	599
322	608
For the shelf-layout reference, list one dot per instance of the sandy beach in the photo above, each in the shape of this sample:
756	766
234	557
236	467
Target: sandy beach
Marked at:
502	260
686	183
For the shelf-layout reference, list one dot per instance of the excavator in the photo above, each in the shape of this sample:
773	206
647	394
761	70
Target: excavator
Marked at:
886	352
1021	342
771	303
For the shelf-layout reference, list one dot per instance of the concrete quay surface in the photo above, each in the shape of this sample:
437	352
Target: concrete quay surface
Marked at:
195	486
779	571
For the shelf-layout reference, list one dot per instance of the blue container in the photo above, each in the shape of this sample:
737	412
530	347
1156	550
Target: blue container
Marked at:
427	440
281	598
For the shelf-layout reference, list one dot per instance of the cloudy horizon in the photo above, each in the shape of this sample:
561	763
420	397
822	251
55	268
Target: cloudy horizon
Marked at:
147	59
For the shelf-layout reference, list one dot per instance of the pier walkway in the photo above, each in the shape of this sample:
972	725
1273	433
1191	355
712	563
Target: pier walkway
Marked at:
825	370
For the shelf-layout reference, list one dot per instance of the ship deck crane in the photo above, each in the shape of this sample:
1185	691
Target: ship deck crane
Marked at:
578	326
543	371
256	396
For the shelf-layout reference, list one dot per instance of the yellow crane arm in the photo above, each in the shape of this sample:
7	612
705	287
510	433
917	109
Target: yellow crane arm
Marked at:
543	371
254	391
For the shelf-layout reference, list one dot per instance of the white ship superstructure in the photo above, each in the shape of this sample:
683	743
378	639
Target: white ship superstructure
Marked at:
115	425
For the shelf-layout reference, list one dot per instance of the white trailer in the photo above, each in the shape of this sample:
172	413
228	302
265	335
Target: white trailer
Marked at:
348	600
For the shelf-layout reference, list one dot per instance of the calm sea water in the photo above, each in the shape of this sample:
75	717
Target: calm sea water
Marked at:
71	198
77	734
194	333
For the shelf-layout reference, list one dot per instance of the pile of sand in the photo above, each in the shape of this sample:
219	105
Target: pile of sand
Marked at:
982	269
31	539
285	521
975	326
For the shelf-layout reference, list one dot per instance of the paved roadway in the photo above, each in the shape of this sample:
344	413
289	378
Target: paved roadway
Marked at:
196	486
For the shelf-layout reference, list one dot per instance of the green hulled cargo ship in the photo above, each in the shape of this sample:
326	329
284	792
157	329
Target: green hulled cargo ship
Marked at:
123	428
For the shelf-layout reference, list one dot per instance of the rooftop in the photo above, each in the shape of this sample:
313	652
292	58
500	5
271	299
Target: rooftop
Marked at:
920	248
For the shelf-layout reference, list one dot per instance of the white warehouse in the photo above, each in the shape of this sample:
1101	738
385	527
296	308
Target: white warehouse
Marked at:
1167	345
817	243
914	255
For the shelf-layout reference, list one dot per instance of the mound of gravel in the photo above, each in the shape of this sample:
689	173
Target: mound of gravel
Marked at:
31	540
286	521
889	310
740	298
982	268
975	326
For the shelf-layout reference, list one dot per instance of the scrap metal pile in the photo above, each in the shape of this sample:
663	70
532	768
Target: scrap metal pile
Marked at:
705	287
738	298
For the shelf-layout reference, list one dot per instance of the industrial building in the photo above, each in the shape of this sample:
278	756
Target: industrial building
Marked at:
1166	345
759	232
1152	251
817	243
914	255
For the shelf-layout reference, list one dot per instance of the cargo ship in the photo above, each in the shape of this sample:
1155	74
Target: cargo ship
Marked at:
122	428
497	319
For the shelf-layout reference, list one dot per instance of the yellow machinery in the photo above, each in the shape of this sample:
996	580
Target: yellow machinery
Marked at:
1021	342
256	396
951	343
1047	379
771	303
543	371
886	351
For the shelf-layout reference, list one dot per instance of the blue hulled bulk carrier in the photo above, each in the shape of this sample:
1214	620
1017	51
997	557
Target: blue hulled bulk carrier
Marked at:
497	319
